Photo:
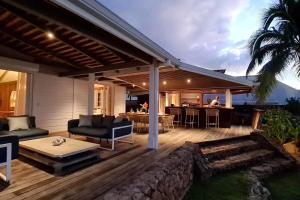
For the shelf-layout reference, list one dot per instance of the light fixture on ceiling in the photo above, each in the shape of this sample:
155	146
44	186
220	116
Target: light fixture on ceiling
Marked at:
144	83
50	35
188	80
165	82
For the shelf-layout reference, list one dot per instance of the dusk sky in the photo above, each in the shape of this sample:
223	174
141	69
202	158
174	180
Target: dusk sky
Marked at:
212	34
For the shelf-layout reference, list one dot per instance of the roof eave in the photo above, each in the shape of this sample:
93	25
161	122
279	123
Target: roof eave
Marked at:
96	13
211	73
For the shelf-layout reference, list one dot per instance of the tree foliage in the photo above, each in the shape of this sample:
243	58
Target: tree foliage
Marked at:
276	45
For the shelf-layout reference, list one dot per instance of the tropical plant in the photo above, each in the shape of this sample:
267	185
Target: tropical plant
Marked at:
279	125
293	105
296	135
276	45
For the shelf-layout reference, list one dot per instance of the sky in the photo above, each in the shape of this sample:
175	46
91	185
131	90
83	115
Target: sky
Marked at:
209	33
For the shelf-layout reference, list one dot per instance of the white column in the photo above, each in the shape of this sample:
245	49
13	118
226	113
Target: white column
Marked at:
91	94
167	99
228	98
153	105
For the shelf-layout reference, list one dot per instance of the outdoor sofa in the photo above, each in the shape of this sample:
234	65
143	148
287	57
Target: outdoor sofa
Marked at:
32	133
103	127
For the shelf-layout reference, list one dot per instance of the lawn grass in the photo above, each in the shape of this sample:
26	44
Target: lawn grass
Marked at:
230	186
285	186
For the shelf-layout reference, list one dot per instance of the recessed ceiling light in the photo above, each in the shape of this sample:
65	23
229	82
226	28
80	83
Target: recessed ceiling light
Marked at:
164	82
188	80
144	83
50	35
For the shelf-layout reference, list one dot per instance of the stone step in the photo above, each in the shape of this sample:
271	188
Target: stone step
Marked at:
272	166
221	151
240	161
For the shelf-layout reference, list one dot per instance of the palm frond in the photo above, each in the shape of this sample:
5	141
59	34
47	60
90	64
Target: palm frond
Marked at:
264	52
275	11
267	75
278	41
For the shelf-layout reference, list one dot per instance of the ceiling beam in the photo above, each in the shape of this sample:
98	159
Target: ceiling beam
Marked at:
43	27
75	23
114	67
104	79
36	59
35	45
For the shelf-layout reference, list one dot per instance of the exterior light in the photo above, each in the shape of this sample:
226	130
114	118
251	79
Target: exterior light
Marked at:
188	80
133	85
164	82
144	83
50	35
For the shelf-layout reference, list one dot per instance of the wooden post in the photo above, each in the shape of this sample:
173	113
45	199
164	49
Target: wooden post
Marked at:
91	93
228	98
153	105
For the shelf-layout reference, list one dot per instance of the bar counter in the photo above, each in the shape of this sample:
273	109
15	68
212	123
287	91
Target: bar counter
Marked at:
225	115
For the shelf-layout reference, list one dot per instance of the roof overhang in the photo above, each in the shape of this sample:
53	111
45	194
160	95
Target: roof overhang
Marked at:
184	78
96	13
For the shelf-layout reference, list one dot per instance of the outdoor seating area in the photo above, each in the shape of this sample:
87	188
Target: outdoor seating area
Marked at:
115	167
141	121
91	108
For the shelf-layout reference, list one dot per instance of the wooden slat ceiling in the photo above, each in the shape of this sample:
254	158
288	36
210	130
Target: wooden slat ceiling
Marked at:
26	32
178	80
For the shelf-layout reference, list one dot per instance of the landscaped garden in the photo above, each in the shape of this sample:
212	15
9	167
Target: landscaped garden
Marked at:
235	186
281	126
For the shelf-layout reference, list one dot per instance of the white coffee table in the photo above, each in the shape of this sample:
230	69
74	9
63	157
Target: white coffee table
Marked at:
68	156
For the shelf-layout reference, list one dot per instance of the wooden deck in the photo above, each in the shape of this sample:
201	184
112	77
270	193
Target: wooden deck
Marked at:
29	182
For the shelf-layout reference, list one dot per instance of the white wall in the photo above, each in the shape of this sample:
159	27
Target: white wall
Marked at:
57	99
119	100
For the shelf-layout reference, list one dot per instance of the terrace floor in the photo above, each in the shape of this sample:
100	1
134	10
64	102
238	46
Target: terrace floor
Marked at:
29	182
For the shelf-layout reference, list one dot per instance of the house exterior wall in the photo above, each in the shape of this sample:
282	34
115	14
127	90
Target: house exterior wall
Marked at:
57	99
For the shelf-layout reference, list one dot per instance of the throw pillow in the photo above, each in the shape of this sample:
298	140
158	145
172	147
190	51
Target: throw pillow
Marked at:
118	119
18	123
85	120
97	121
108	121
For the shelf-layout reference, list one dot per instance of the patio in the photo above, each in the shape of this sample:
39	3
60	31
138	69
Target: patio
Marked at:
29	182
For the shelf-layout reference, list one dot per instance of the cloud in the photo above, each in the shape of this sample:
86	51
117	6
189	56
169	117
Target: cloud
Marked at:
197	32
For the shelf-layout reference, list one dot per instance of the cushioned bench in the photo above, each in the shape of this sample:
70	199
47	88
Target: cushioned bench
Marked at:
31	133
103	128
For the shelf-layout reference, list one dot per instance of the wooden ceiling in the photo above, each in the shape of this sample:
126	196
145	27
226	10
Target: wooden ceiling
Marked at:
176	80
78	46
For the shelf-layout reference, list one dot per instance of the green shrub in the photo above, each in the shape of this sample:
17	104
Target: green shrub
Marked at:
293	105
281	125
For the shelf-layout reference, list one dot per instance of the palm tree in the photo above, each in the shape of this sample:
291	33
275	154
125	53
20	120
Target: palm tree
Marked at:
276	45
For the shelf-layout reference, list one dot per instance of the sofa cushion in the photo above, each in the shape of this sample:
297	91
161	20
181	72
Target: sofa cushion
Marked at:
85	120
30	133
97	121
4	122
18	123
89	131
108	121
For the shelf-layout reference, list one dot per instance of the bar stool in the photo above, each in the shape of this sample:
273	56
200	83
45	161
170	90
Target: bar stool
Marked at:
177	115
190	115
212	113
